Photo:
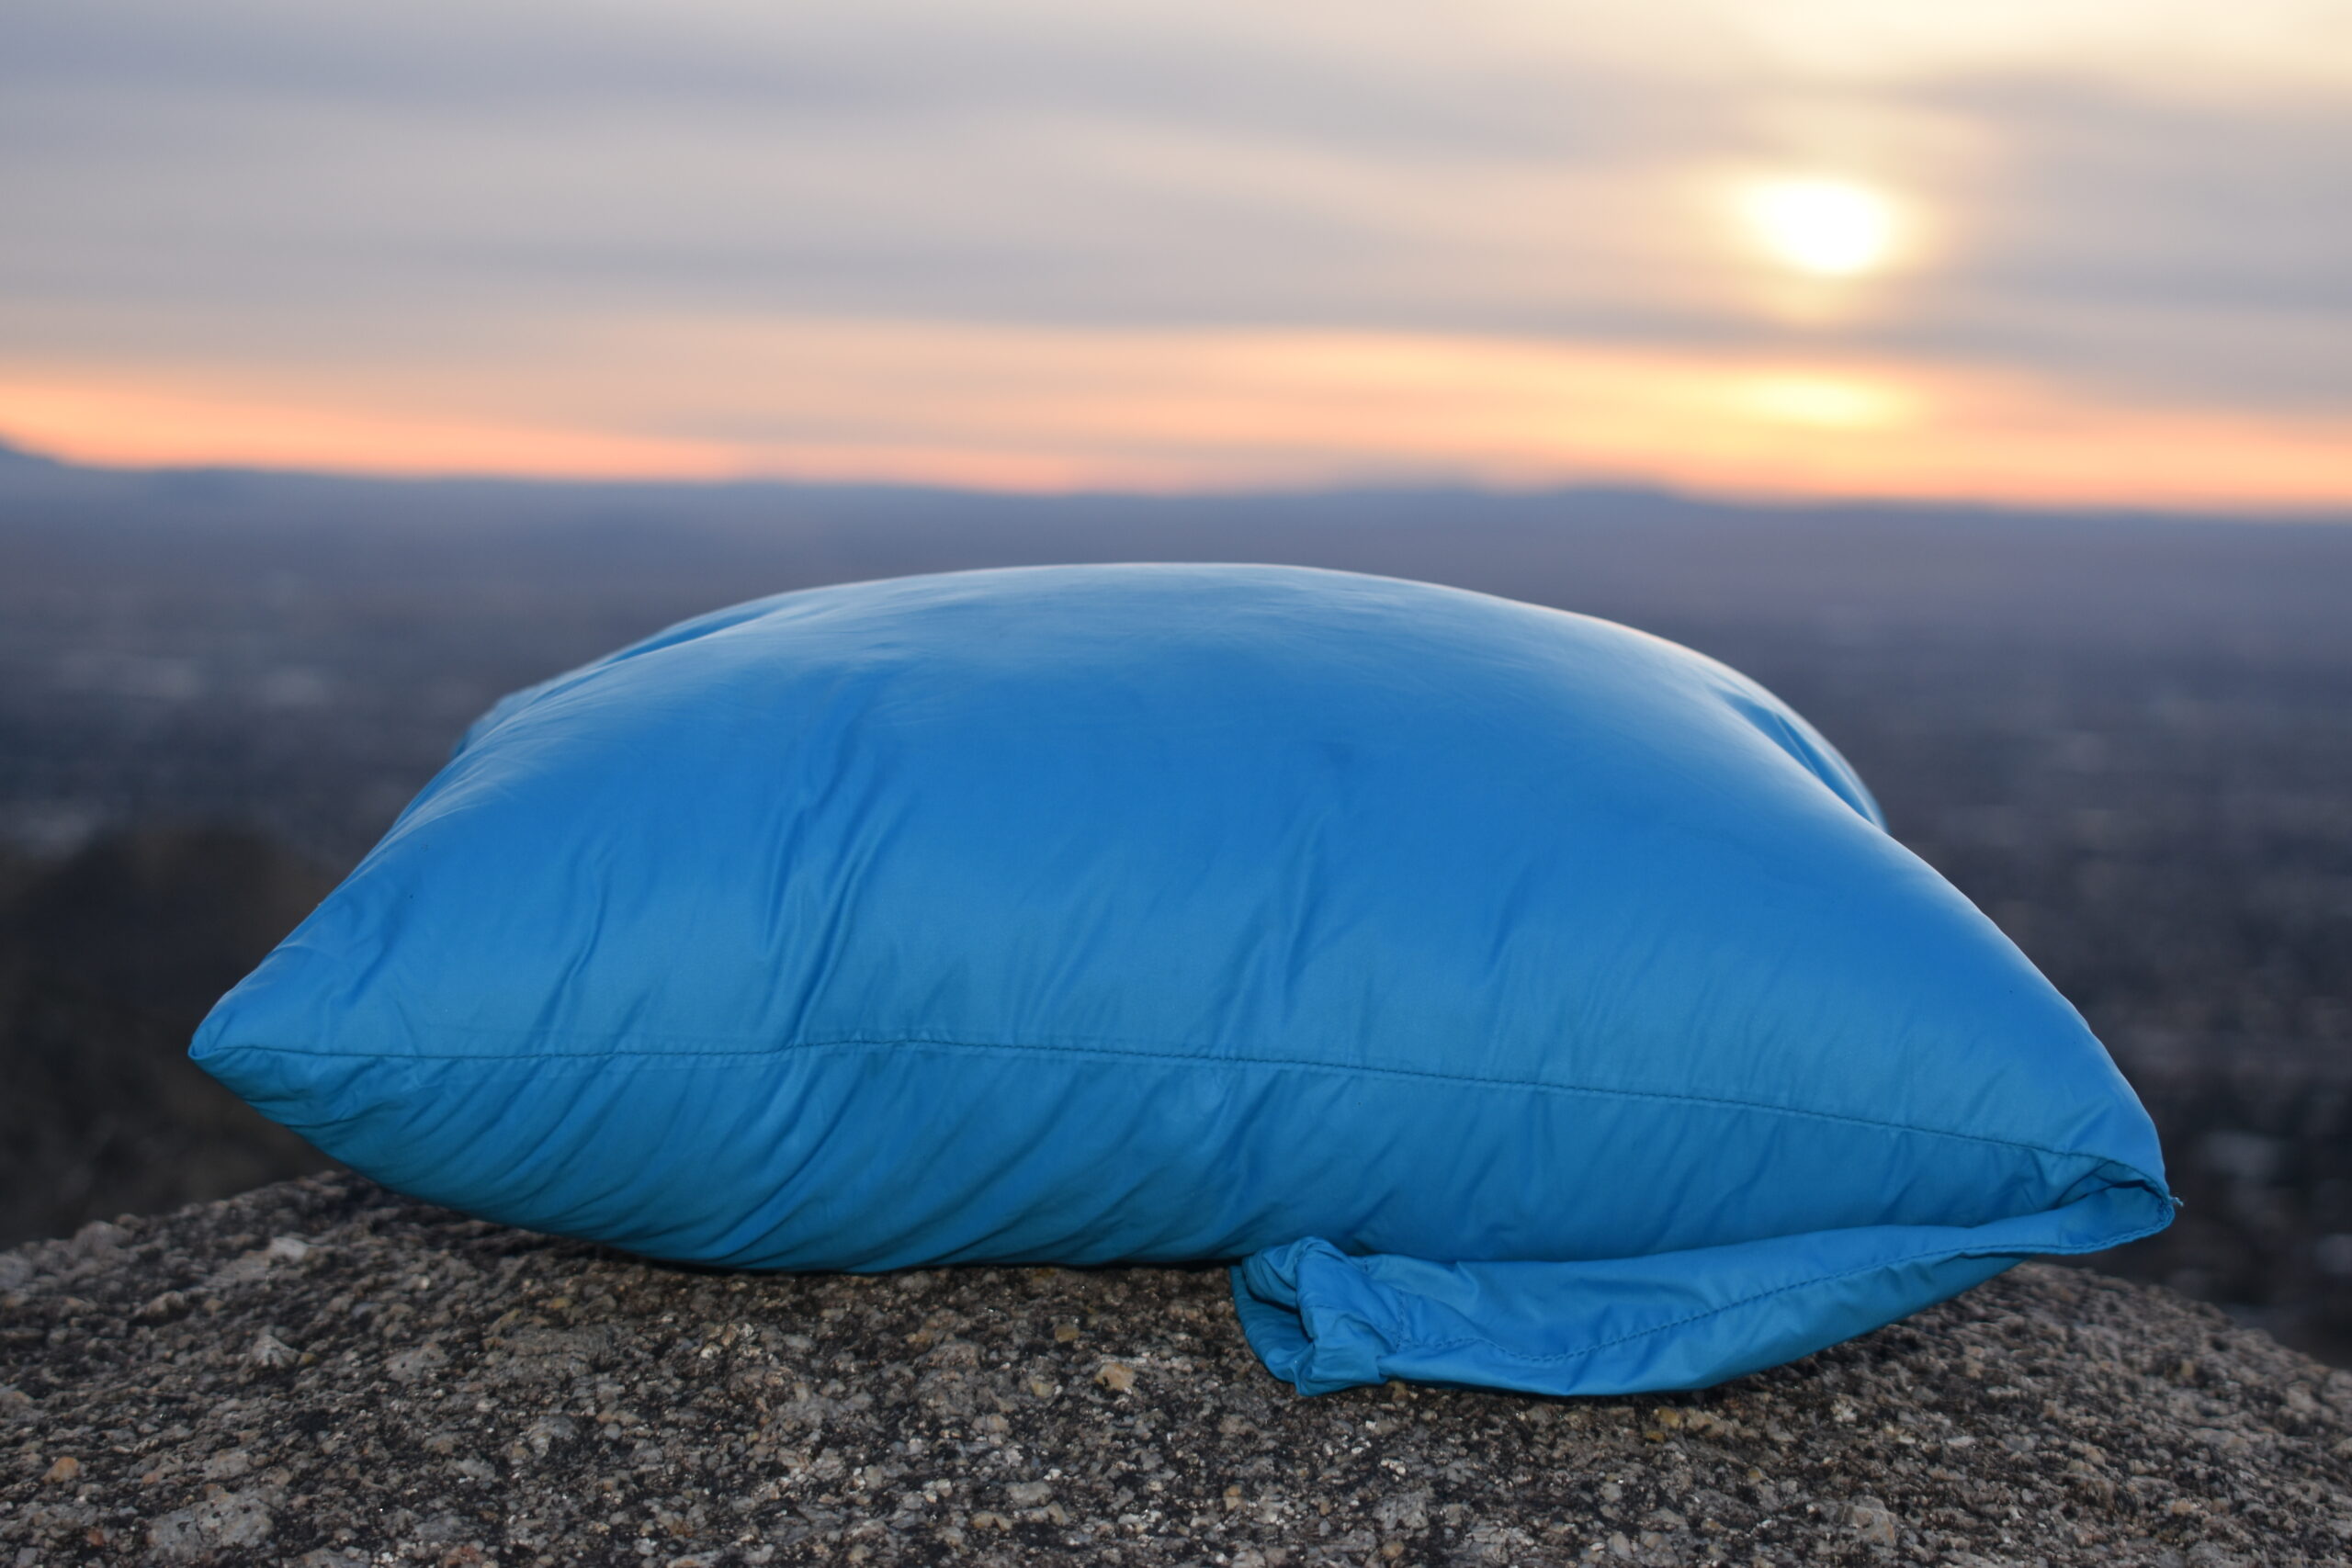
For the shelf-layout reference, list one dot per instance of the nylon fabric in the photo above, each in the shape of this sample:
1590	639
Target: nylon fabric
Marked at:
1530	1001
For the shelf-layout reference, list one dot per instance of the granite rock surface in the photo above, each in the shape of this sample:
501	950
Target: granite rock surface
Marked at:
324	1373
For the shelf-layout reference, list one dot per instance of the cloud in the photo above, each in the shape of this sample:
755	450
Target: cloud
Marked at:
2145	204
1025	407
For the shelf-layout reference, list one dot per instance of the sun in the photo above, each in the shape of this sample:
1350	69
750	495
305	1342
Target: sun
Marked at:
1824	228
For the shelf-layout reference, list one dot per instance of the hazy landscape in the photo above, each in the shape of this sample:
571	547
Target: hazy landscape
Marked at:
2128	738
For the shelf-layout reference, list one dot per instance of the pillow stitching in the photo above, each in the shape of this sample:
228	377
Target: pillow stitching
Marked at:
653	1058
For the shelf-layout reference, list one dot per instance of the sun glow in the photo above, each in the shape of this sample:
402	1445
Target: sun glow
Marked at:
1823	228
1825	402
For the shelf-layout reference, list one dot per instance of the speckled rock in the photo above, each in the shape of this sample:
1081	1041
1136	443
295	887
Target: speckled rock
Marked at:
324	1373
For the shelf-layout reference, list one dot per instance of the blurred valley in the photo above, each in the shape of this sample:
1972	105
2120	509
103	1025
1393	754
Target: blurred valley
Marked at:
2128	739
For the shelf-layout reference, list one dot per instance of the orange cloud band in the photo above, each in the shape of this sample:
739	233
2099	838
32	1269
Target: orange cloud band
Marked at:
1003	408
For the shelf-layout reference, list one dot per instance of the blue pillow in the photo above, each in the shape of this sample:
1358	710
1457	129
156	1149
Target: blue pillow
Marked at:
1528	1001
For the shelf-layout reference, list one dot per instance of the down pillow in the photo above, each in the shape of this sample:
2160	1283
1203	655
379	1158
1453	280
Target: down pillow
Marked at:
1525	1001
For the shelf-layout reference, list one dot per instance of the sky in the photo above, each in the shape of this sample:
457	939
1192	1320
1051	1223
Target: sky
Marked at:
2035	252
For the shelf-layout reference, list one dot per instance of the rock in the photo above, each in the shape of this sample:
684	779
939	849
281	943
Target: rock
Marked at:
440	1529
227	1465
1401	1511
231	1519
98	1242
540	1399
1873	1525
549	1431
422	1361
64	1470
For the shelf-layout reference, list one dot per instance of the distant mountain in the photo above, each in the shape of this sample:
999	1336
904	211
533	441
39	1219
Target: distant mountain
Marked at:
1676	564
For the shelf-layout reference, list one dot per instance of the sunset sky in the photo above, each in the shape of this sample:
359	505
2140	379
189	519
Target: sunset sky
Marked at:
2025	251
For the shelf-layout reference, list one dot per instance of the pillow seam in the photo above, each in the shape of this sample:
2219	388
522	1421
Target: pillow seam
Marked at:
1088	1049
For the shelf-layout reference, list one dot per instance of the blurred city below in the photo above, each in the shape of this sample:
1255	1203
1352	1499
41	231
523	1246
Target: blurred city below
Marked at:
2125	736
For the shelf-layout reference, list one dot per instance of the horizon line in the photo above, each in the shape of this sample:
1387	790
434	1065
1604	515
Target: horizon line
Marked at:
2275	513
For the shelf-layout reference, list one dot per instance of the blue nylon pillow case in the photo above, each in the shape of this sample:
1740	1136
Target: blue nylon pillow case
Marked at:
1528	1002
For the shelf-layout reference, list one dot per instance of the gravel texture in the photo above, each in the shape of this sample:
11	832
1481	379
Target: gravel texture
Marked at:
323	1372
